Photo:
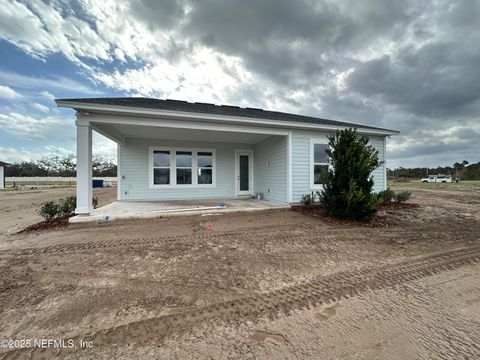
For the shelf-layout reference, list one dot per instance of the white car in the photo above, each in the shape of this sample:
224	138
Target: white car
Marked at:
437	179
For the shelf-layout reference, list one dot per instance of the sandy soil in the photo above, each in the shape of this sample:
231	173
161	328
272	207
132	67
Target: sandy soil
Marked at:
257	285
18	208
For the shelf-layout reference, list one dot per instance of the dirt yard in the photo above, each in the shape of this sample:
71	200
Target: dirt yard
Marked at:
255	285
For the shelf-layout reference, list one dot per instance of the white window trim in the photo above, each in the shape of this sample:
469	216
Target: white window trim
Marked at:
313	141
173	168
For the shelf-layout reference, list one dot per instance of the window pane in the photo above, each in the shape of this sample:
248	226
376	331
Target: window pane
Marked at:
184	159
244	183
161	158
184	176
204	159
161	176
204	176
319	154
319	173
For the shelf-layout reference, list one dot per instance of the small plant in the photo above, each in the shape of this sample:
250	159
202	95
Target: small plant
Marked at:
307	200
95	202
386	196
402	196
49	210
62	209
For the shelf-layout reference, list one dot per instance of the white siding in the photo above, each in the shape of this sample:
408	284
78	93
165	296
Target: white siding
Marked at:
134	167
2	177
379	173
301	162
271	168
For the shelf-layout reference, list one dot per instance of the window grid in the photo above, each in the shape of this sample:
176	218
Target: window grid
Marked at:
318	167
200	176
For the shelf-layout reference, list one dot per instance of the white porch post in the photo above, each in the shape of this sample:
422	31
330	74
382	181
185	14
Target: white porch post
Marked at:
84	169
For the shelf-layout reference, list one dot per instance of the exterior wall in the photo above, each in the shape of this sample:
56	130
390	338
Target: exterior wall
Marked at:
301	143
134	171
2	177
270	168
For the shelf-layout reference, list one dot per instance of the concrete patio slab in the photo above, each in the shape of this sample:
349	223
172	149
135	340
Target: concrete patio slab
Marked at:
125	210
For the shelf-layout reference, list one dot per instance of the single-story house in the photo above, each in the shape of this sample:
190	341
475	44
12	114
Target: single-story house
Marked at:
174	150
2	173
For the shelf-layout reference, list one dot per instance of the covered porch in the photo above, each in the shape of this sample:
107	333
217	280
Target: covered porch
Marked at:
123	210
167	165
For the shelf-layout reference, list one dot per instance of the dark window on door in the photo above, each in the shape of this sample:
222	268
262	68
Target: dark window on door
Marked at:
244	175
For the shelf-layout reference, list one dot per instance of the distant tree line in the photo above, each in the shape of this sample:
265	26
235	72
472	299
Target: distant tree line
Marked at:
463	170
60	166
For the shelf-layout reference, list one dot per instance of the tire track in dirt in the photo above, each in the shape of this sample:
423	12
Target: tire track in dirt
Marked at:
304	235
312	293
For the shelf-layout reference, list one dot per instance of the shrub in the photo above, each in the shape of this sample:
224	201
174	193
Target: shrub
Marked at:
95	202
402	196
348	185
307	200
386	196
67	206
49	210
62	209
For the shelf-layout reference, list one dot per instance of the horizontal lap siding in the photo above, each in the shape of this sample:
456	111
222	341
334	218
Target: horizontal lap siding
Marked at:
134	168
379	173
271	168
301	162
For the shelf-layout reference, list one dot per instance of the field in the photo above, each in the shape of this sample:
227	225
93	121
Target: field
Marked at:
255	285
416	184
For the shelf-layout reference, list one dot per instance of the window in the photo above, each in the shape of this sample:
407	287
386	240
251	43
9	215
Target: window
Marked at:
182	168
320	163
204	167
161	167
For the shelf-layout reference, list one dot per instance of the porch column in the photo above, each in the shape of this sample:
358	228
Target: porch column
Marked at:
84	169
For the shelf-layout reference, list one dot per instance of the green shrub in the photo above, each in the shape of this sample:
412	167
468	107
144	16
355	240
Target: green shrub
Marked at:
95	202
307	200
67	206
49	210
402	196
386	196
347	192
62	209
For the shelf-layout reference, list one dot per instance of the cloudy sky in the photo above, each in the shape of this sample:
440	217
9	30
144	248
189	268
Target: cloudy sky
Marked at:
413	66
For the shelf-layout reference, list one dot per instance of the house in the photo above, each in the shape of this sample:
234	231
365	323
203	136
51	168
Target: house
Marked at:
2	173
173	150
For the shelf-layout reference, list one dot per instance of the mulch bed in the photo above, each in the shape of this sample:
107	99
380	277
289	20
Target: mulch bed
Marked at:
382	218
45	225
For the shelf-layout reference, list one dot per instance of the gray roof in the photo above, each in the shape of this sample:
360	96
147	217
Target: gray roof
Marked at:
212	109
4	164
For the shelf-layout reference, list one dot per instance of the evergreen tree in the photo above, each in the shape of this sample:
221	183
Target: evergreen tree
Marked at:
348	183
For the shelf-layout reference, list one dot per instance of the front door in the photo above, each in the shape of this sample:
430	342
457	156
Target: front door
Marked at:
244	172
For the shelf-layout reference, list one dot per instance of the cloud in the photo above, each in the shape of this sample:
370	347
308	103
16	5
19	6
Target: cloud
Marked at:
47	95
31	128
41	107
60	83
12	155
7	92
405	65
41	29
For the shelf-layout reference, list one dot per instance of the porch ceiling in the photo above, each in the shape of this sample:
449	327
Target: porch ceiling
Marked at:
123	130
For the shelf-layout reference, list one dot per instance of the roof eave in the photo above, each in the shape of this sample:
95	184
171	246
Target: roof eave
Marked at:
128	110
